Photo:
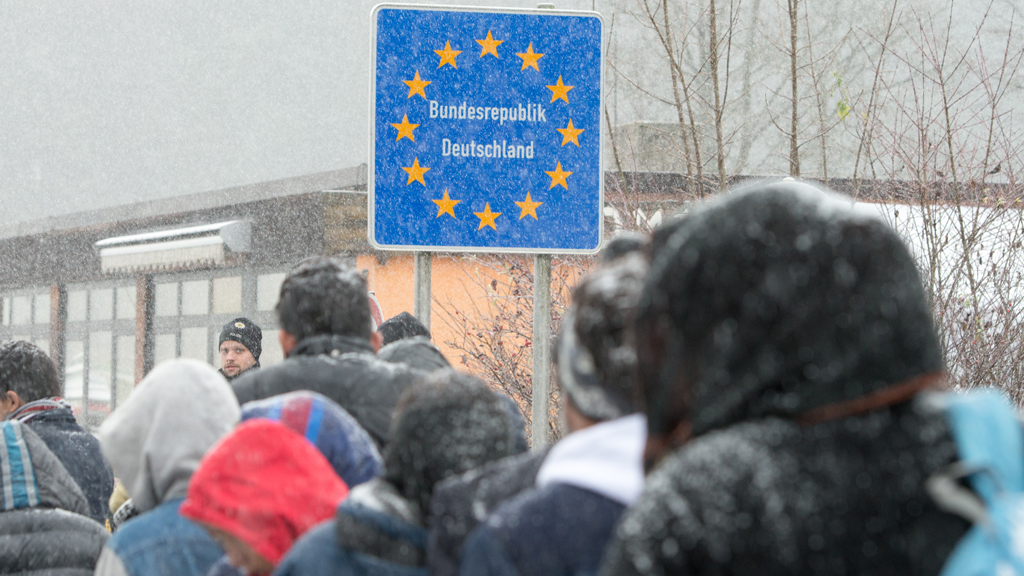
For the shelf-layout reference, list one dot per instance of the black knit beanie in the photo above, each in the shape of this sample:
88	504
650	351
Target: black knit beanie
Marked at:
246	333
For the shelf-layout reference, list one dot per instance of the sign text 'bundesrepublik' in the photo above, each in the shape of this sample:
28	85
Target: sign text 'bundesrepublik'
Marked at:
486	130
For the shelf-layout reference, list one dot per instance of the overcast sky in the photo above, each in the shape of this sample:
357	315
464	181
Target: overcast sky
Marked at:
112	102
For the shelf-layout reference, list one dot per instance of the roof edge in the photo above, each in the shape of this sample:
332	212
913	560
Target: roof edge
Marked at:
345	178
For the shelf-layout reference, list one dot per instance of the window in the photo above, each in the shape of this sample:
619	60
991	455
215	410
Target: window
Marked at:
166	299
195	298
26	316
41	309
268	290
21	310
194	343
100	335
227	295
101	304
188	326
78	305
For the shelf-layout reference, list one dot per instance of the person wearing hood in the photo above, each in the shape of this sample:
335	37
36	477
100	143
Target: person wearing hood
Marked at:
590	476
31	394
419	354
338	437
330	347
449	423
416	352
333	431
260	489
401	326
462	503
44	516
154	442
239	346
785	349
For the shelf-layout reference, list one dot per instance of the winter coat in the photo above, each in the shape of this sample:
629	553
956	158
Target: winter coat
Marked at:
154	442
420	354
796	341
460	504
562	526
80	453
265	485
44	523
773	497
376	532
334	432
344	369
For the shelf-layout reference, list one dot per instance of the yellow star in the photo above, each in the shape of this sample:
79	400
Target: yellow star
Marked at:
529	58
558	177
487	217
528	207
570	133
447	55
560	91
416	86
490	45
416	172
405	129
445	205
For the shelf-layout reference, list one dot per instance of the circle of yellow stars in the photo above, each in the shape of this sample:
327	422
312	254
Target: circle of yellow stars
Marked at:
405	129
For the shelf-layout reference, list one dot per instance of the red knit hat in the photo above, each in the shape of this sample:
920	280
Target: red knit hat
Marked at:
266	485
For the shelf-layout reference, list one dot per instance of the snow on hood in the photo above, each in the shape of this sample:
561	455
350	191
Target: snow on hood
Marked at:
606	458
155	440
780	299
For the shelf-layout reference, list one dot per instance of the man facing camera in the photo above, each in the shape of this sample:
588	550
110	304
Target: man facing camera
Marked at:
240	345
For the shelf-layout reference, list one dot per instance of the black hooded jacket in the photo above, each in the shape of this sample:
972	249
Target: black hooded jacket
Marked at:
344	369
784	310
80	453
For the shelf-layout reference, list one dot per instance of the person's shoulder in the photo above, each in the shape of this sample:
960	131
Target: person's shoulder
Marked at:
490	484
159	527
317	552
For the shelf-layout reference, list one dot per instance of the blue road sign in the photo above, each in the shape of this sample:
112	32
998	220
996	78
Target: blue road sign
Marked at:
486	130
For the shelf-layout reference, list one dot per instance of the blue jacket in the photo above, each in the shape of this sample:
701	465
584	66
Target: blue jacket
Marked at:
563	526
362	540
556	530
160	543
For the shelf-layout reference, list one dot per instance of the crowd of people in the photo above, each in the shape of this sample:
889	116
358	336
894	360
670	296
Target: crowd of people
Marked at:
755	388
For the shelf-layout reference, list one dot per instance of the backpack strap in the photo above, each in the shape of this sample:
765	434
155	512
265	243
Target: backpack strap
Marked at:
990	440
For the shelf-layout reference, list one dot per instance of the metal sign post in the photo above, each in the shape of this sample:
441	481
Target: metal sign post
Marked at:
421	288
541	349
486	137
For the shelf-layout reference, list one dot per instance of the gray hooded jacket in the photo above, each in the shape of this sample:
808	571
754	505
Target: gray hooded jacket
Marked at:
155	440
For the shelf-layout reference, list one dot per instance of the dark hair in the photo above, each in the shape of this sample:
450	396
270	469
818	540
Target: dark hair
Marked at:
775	301
400	326
28	371
444	425
323	296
